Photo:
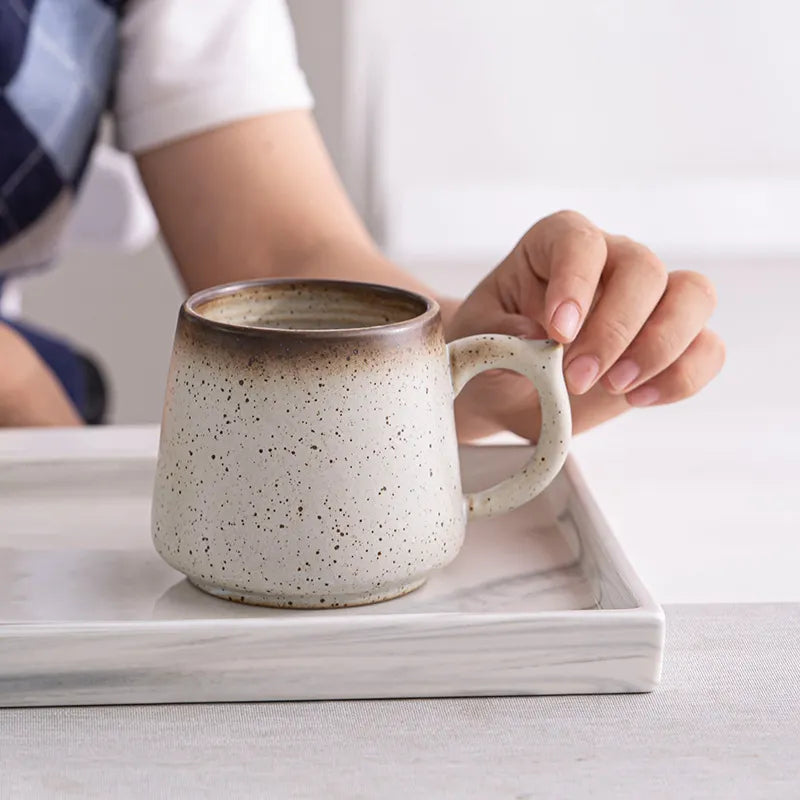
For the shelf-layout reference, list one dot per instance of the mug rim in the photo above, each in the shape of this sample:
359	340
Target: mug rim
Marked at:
190	305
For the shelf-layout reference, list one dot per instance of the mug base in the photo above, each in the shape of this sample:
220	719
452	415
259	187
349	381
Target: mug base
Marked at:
310	601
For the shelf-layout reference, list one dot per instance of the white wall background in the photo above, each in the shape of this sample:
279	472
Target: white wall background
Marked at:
578	91
676	121
456	124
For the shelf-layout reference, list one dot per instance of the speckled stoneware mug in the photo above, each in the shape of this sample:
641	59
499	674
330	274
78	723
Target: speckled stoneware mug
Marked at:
308	454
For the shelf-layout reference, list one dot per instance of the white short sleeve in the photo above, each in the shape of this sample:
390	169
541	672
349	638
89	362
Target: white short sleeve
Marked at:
189	66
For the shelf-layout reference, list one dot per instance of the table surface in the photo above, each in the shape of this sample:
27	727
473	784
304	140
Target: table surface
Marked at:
724	723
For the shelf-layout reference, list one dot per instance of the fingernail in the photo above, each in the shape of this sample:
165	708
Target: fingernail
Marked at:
643	396
623	374
566	319
582	373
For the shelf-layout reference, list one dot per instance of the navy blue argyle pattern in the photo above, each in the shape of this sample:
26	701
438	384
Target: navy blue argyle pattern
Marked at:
57	59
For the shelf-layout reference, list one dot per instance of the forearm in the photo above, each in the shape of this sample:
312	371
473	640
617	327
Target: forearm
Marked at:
260	198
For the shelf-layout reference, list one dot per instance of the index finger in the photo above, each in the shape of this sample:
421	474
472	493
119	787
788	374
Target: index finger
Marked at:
568	253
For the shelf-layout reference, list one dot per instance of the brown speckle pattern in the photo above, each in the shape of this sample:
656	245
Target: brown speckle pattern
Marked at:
304	467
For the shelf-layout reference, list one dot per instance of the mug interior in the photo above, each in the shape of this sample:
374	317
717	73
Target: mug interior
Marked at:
308	305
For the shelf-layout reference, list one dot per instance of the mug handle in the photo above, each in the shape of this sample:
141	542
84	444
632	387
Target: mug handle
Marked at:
540	362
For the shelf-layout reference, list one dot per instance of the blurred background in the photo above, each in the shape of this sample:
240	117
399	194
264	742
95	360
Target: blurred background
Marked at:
456	125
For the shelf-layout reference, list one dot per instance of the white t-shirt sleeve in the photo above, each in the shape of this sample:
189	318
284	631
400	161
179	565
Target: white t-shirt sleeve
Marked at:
189	66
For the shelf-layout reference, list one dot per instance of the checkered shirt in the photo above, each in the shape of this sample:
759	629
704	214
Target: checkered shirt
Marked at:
57	59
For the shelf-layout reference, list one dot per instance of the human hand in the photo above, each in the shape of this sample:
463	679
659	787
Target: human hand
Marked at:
634	334
30	395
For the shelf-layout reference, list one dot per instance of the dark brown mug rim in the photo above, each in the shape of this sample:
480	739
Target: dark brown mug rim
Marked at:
190	305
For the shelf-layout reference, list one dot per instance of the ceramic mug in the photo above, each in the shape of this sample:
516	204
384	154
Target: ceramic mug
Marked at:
308	453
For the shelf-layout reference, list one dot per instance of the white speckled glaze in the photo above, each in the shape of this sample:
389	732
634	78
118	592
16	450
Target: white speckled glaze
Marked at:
308	453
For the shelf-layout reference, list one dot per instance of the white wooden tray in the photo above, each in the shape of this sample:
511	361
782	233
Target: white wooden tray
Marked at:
541	601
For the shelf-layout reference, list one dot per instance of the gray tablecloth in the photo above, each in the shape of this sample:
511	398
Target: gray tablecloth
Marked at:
725	723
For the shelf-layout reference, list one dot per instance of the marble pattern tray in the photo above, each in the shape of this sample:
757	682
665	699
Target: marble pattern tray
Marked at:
541	601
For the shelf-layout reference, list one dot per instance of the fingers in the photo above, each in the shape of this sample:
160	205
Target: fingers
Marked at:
636	333
566	253
699	363
679	317
634	282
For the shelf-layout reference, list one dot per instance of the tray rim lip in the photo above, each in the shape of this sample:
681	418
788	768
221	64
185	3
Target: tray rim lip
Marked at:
350	622
55	446
609	542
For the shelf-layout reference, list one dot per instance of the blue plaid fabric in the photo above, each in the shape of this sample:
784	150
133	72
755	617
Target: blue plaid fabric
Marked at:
57	59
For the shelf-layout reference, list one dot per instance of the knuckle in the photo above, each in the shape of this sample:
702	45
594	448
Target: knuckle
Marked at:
586	234
696	282
642	257
625	244
615	333
582	285
683	380
576	224
651	264
648	261
661	341
568	216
